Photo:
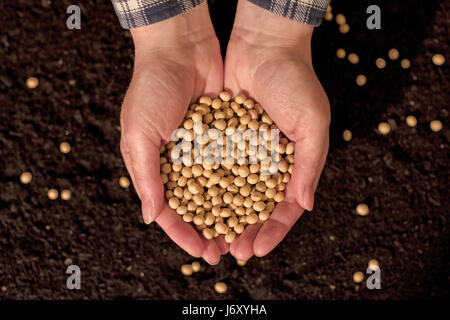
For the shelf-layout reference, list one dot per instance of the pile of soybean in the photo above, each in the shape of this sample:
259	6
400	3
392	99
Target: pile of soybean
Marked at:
223	197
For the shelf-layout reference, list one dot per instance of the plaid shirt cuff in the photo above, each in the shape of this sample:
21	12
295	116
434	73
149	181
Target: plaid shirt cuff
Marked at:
138	13
305	11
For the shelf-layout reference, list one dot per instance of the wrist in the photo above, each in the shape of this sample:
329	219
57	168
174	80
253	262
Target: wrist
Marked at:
260	27
181	31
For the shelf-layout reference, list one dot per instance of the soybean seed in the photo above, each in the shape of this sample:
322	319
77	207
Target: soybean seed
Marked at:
187	270
225	96
353	58
224	198
384	128
361	80
436	125
347	135
393	54
411	121
208	233
66	194
52	194
362	209
340	53
26	177
252	218
340	19
220	287
64	147
358	277
345	28
373	264
196	265
124	182
405	63
438	59
380	63
230	236
32	82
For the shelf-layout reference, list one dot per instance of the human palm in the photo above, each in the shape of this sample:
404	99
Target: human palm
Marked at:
277	72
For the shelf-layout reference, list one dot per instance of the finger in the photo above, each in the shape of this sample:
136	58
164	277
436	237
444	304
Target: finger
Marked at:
211	253
322	165
274	230
124	150
242	247
144	161
309	161
223	246
182	233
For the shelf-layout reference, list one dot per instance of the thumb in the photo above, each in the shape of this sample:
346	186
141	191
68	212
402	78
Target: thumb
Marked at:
141	151
310	155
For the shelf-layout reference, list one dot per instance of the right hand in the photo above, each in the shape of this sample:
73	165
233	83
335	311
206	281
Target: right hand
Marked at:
269	57
176	61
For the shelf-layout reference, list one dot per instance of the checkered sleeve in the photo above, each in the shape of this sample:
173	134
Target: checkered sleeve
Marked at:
305	11
138	13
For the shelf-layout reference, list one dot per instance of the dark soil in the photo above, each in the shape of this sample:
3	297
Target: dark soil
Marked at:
403	176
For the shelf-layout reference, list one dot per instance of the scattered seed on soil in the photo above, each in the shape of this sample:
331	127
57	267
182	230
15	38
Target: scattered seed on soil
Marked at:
438	59
344	28
353	58
32	82
220	287
393	54
340	19
358	277
124	182
340	53
411	121
362	209
347	135
405	63
66	194
380	63
373	264
384	128
196	266
26	177
187	269
52	194
436	125
64	147
361	80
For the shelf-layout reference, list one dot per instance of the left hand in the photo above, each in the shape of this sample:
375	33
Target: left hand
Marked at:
269	58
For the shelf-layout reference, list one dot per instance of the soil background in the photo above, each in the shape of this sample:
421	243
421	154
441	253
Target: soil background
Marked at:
84	74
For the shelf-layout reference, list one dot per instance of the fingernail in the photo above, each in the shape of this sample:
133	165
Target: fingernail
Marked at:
147	210
147	220
212	263
308	199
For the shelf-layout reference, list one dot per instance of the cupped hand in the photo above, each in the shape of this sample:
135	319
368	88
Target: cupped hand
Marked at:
269	58
176	61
